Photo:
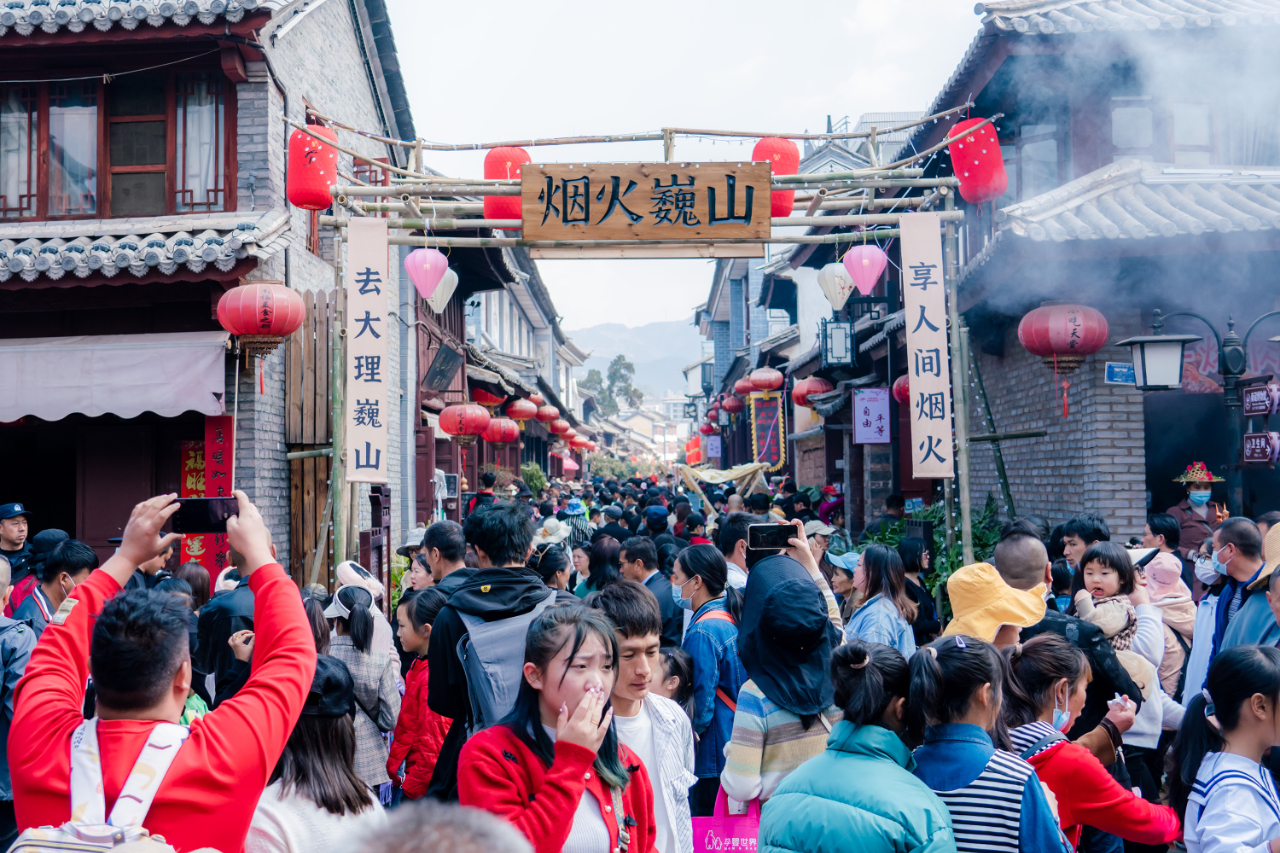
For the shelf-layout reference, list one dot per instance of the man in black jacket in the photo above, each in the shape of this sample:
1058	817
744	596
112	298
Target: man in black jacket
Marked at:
639	559
501	588
613	527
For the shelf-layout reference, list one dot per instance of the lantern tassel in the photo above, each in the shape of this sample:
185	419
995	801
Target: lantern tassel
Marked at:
1065	386
262	379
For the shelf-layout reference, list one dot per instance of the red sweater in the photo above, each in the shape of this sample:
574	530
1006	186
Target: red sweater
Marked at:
499	774
419	735
208	797
1088	795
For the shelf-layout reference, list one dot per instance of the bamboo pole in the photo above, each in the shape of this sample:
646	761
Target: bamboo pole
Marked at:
510	188
959	406
856	174
943	144
990	421
386	167
777	221
962	453
859	203
337	380
857	219
689	131
432	241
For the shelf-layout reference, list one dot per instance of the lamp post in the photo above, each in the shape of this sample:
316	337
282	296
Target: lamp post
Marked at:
1157	366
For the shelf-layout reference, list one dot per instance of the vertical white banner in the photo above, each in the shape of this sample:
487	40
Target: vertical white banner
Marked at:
368	397
928	364
871	416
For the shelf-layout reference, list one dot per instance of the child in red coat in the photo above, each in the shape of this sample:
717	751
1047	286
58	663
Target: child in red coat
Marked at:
555	768
1044	693
419	730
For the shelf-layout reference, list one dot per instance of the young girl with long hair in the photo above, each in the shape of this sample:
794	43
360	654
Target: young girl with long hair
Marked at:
1227	798
554	768
604	566
887	612
420	732
859	794
995	799
1044	691
676	679
915	562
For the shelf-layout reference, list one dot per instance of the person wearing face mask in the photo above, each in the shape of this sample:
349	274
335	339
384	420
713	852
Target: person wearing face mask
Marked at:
699	582
68	566
1236	559
1254	623
1197	515
1044	688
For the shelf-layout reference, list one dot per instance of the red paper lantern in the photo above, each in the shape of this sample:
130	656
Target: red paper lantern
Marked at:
520	410
504	164
536	399
547	414
569	434
976	159
784	159
500	432
743	387
805	387
766	379
262	313
313	168
579	442
707	429
734	405
464	422
484	398
1062	335
713	414
559	426
902	389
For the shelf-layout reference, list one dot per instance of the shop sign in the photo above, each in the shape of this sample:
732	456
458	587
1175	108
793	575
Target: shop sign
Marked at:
219	467
768	430
713	447
443	368
1261	447
367	407
1261	401
1119	373
191	485
645	201
928	361
871	416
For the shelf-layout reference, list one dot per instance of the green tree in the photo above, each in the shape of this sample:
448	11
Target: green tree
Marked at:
593	383
621	372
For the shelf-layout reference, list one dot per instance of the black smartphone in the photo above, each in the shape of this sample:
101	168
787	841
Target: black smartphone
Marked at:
203	515
768	537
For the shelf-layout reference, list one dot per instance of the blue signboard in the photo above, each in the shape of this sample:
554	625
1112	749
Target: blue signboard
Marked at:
1119	373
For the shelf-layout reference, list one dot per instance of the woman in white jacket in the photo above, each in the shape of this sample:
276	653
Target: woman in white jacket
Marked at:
1227	798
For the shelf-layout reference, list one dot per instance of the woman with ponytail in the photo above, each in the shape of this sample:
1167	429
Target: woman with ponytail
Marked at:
1227	799
374	674
859	794
554	768
995	799
1044	689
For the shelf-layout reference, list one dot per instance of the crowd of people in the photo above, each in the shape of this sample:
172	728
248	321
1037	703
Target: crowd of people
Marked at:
600	667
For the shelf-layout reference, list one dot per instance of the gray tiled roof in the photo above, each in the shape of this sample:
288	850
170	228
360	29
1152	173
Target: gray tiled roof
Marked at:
1133	200
28	16
1037	17
136	246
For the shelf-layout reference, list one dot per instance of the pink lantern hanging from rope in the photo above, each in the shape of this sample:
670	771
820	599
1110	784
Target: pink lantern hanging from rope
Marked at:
865	265
426	267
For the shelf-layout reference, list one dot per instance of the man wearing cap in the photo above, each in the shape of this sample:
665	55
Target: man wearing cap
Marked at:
655	520
819	536
13	538
695	526
612	526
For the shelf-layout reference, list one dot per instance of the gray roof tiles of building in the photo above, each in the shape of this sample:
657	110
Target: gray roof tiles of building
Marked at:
136	246
27	16
1053	17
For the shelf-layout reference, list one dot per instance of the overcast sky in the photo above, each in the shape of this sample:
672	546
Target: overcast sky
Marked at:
497	70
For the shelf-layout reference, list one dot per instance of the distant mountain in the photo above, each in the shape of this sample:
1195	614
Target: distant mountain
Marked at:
658	350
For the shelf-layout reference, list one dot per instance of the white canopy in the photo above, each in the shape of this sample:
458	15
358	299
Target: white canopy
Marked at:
124	375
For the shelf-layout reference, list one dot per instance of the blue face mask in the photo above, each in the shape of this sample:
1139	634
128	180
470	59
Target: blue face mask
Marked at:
1061	716
686	603
1199	498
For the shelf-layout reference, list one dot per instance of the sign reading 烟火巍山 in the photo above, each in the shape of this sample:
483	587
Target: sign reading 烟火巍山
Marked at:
645	201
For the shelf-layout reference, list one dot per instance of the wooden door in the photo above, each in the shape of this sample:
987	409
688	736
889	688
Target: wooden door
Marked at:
115	469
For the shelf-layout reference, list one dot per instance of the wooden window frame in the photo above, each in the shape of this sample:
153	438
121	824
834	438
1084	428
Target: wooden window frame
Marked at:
104	168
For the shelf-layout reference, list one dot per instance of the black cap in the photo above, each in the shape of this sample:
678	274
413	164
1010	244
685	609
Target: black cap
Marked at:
333	693
694	519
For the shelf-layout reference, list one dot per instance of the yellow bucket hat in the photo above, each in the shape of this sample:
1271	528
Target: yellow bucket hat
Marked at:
982	602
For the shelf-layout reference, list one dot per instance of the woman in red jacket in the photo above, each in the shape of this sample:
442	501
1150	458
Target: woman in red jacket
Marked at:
420	731
1044	692
555	768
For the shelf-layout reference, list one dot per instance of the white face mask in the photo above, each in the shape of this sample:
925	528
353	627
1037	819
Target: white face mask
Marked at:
1206	570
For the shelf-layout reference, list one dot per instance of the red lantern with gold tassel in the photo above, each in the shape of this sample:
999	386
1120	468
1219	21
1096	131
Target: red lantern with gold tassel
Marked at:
500	432
262	314
806	387
312	168
1062	335
537	399
734	405
707	429
559	426
520	410
743	387
464	422
489	401
504	164
547	414
766	379
784	159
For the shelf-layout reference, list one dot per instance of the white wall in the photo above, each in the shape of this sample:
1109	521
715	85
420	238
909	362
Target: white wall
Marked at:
811	306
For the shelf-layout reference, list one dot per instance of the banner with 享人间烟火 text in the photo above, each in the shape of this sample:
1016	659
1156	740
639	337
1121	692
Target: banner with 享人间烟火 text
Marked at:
367	404
928	364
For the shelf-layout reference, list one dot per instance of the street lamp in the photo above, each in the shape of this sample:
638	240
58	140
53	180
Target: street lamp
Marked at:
1154	369
708	378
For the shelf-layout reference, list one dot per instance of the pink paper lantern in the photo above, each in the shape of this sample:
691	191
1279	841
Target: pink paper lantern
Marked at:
426	267
864	265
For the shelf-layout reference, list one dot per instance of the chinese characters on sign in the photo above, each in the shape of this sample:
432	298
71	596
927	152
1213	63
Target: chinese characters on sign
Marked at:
871	416
768	430
928	363
191	485
645	201
1261	447
713	447
219	462
367	408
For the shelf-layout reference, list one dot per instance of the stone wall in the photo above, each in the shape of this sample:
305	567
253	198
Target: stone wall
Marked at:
877	481
1094	459
810	462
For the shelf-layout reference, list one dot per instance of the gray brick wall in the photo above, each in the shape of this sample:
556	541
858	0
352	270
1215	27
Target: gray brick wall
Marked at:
1092	460
877	480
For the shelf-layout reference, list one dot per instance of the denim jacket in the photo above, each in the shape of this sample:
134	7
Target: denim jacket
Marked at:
713	645
878	621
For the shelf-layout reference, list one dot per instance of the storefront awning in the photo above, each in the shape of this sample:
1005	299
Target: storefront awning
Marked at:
122	375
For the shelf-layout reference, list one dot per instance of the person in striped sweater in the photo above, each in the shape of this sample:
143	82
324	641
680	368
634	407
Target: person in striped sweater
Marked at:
996	801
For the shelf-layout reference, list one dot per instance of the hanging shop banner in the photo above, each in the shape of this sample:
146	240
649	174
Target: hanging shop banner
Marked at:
768	430
191	485
367	352
645	201
928	363
219	472
713	447
871	416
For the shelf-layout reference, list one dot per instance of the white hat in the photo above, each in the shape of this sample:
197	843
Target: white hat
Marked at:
819	528
413	539
338	609
551	532
351	573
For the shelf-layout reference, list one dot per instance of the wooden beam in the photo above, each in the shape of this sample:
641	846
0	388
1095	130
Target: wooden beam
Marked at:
233	65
